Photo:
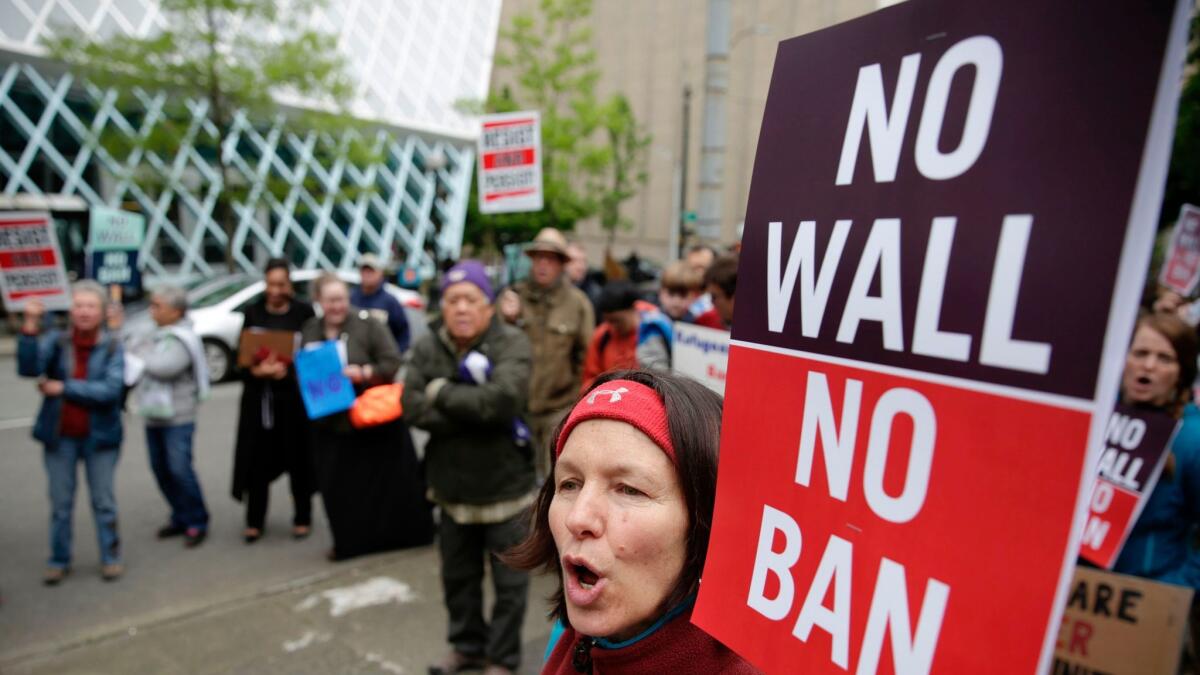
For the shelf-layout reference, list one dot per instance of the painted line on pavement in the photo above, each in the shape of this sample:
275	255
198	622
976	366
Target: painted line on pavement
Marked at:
18	423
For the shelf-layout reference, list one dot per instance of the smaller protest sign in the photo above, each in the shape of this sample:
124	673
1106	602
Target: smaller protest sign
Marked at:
114	239
1135	449
31	262
701	353
1121	625
1181	267
323	384
510	163
115	229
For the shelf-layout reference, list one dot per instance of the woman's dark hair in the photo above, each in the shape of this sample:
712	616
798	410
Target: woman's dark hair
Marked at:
694	424
277	264
616	296
723	274
1184	341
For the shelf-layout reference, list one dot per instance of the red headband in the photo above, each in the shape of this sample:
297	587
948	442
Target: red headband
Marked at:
623	401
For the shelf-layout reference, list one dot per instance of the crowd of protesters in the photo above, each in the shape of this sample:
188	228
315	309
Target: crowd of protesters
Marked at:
490	382
518	389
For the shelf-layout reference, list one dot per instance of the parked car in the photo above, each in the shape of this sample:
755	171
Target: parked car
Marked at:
215	308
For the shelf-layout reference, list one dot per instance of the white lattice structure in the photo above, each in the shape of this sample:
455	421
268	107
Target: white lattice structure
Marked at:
413	60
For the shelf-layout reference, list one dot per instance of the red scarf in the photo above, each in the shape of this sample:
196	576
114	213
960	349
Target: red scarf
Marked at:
676	647
74	420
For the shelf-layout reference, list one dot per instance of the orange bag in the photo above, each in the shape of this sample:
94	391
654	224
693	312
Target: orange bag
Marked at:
377	405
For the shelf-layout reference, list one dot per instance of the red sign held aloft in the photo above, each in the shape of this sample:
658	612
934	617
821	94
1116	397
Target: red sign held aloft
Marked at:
1181	270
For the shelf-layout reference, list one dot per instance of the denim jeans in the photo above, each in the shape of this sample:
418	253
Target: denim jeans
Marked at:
61	459
171	460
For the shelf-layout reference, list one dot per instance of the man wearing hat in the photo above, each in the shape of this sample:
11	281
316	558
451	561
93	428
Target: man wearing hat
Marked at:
371	296
466	385
559	321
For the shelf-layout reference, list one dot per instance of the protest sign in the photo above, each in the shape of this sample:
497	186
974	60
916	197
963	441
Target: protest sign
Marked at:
510	163
1116	624
323	385
114	238
1135	449
31	262
917	391
701	353
255	344
1181	269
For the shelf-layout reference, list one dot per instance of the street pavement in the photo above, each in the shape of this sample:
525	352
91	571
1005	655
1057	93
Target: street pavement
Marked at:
276	606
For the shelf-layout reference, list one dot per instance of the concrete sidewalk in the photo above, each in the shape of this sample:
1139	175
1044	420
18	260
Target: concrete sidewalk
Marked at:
382	614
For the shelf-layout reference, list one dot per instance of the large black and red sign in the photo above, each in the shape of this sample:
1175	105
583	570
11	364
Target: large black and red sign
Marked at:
950	218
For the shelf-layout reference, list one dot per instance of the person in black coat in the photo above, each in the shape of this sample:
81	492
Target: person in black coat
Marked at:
369	478
273	429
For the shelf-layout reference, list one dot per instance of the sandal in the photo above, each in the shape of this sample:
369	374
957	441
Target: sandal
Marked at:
301	532
251	534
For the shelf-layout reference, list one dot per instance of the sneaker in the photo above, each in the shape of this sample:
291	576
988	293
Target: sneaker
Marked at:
53	575
111	571
455	662
170	530
194	536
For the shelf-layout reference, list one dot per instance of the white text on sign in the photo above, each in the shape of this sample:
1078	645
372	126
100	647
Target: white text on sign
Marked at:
912	649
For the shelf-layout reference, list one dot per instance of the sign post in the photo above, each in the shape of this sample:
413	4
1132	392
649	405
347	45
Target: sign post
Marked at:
510	163
31	262
919	382
114	239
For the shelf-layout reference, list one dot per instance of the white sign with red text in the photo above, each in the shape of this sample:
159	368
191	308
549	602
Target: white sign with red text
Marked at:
31	262
510	163
1181	270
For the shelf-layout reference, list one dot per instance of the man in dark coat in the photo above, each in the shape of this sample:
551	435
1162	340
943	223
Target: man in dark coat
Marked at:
467	385
373	297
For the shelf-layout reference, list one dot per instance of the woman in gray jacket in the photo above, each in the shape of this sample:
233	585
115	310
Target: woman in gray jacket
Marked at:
174	380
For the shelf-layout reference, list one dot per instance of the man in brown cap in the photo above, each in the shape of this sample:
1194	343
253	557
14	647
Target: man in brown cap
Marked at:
559	321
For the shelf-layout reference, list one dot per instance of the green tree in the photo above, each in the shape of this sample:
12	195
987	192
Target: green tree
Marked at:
627	152
233	55
593	150
1183	179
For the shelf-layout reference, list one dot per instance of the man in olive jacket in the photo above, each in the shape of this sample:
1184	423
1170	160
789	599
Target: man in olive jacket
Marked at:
559	321
467	386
